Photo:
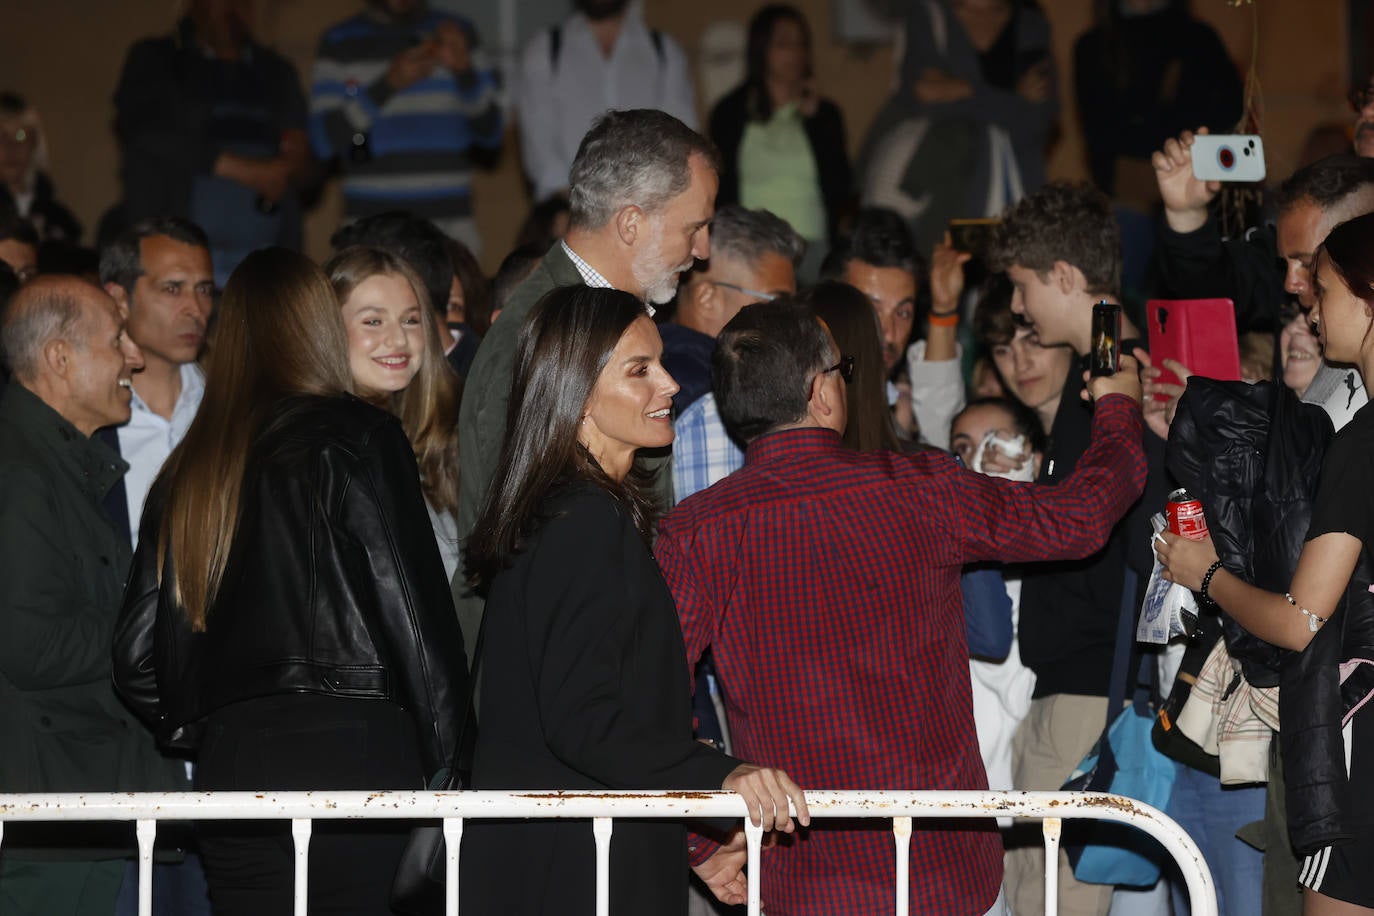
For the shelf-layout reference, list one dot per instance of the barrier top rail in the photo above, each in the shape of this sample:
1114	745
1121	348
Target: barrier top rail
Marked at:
1051	807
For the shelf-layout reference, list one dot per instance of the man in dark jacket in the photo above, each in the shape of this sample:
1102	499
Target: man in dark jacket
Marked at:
62	570
643	194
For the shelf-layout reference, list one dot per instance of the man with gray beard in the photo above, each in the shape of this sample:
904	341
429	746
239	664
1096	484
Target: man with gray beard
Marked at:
643	191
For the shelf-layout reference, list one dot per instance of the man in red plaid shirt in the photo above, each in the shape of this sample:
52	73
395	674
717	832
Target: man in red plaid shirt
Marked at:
826	583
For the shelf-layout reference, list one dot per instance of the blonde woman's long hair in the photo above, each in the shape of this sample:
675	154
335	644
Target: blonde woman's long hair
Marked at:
279	334
428	406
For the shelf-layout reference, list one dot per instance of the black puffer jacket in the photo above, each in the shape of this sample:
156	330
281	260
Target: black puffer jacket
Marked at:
334	586
1253	455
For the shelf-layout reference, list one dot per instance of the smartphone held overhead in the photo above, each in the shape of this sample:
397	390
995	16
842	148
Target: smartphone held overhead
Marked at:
1228	157
972	235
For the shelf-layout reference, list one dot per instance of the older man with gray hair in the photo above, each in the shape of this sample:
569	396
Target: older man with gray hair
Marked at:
643	191
62	569
754	258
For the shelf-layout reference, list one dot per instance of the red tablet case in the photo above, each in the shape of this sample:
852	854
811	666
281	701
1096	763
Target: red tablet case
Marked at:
1199	333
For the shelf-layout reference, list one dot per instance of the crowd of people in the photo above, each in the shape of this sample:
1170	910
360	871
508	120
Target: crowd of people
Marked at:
742	473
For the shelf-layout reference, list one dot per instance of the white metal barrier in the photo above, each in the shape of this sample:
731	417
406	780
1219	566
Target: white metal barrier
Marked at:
146	809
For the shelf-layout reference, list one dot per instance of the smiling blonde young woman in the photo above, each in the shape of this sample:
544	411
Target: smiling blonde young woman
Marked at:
397	362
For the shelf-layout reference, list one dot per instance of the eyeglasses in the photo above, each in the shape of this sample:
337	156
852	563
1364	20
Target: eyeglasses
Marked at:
758	294
845	367
18	137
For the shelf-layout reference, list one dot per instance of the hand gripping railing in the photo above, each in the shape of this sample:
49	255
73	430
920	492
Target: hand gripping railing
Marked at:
146	809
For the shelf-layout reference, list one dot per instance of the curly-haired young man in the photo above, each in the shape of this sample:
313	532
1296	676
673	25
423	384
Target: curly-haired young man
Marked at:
1061	249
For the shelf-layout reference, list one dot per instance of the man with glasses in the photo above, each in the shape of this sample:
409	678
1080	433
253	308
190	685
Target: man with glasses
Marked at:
825	582
754	256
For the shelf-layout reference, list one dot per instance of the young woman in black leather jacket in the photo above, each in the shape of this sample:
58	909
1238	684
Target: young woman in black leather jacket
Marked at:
288	619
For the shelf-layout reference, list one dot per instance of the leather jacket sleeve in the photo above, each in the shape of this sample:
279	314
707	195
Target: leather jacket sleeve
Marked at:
135	678
415	623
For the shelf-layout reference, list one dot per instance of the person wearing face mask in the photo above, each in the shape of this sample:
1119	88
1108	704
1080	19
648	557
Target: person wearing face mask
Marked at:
397	362
601	57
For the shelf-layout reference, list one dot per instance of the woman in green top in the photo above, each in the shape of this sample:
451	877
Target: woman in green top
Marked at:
782	145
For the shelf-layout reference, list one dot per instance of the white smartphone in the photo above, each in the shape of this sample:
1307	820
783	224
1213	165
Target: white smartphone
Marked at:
1228	157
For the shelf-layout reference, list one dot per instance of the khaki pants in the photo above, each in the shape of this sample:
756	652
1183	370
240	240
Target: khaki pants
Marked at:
1050	742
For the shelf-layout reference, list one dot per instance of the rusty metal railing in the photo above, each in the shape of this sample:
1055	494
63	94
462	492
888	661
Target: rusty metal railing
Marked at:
301	808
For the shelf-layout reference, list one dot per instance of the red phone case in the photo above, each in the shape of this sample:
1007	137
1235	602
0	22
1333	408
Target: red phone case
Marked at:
1199	333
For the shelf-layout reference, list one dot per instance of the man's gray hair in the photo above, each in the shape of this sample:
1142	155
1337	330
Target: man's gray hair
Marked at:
639	157
38	313
748	235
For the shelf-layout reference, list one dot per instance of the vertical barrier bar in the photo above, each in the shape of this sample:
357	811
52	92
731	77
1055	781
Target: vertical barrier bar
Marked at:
146	832
753	844
1051	828
901	833
300	835
453	838
601	831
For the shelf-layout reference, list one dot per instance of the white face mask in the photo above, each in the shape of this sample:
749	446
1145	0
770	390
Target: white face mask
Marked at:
1013	447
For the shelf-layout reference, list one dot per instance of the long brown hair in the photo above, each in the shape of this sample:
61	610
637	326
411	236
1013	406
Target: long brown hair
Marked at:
850	317
428	406
279	334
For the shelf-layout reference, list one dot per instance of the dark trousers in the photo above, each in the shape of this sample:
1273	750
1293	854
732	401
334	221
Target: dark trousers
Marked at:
303	742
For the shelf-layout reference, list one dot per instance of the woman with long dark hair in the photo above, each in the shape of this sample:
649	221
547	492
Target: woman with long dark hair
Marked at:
782	145
584	680
287	619
851	320
397	362
1327	615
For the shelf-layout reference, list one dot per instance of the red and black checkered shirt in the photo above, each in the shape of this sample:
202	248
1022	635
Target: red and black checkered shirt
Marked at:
826	582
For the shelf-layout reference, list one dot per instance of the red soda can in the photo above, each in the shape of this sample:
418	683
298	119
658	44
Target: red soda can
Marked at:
1184	515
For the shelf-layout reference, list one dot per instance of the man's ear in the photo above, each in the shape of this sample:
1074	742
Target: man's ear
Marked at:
820	404
704	295
120	295
629	221
1065	276
57	356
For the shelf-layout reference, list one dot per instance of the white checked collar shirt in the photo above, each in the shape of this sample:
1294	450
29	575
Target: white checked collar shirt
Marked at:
147	439
703	453
590	276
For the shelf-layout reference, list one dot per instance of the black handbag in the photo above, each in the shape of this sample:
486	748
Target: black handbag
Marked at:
1167	738
421	875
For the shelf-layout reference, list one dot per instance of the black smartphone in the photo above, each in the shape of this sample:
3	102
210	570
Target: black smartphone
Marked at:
972	235
1105	357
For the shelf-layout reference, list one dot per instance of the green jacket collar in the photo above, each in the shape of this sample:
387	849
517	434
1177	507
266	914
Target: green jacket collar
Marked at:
93	464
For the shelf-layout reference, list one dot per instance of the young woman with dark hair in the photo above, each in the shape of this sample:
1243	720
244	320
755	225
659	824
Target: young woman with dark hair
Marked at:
584	677
1328	734
852	322
287	618
782	145
397	362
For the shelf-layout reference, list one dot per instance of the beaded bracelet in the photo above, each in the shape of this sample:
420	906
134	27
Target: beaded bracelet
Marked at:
1313	621
1207	581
